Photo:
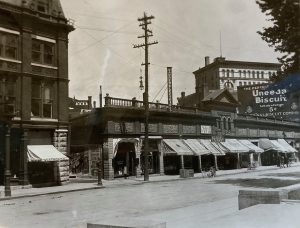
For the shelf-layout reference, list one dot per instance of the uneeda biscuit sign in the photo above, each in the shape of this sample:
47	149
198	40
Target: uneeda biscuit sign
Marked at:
279	100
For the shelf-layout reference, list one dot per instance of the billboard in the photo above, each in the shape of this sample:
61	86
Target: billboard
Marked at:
279	100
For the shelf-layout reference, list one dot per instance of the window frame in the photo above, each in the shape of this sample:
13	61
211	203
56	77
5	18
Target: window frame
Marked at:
41	100
4	45
42	52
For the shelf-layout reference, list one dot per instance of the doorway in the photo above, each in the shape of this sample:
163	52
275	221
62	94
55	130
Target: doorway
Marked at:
124	163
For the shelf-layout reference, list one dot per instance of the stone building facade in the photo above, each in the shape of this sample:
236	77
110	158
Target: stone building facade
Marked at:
34	78
117	130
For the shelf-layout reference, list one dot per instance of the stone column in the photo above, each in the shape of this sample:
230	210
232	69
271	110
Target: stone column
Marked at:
23	173
259	159
138	147
161	158
181	162
108	156
60	141
200	163
238	161
216	162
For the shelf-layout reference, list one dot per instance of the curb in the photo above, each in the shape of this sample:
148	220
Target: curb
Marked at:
137	182
50	193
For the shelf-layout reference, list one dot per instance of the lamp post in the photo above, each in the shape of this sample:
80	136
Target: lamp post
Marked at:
6	117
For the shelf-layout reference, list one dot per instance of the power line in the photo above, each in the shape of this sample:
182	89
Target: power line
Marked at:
99	41
159	91
103	30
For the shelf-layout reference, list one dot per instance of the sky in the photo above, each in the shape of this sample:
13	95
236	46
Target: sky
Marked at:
101	47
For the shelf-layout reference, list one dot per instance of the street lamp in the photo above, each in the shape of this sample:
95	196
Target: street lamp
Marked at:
7	173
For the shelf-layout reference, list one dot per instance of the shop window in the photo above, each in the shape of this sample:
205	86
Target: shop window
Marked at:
42	52
42	101
8	96
9	45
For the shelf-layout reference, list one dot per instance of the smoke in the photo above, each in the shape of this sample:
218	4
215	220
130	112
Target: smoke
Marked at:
105	64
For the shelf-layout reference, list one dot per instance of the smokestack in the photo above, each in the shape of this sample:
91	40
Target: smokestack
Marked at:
89	102
100	97
207	60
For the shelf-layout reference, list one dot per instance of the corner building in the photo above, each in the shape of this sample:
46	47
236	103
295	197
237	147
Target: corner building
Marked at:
34	81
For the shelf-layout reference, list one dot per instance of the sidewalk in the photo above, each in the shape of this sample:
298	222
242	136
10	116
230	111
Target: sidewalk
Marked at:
81	184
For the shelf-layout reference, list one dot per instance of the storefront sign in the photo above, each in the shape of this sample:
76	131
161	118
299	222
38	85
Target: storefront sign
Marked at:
188	129
278	100
205	129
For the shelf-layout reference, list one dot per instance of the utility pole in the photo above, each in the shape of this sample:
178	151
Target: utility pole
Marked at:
144	22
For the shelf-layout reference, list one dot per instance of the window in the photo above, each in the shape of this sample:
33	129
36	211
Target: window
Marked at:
227	73
257	74
240	83
244	73
262	74
8	95
42	52
232	73
9	44
249	74
41	103
42	6
223	73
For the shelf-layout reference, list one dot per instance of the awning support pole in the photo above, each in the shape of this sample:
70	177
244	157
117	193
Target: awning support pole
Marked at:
216	162
181	162
259	159
238	161
200	164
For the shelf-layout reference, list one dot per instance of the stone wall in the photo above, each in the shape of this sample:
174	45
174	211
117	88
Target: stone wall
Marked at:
60	141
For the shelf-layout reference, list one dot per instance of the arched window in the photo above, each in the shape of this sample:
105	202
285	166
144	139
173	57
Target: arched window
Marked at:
224	123
227	73
232	73
223	73
240	83
253	74
257	74
244	73
229	123
262	74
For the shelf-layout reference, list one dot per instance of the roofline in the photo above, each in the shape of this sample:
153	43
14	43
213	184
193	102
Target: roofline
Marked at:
232	62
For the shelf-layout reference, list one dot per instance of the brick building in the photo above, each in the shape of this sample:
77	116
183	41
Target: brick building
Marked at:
222	73
34	82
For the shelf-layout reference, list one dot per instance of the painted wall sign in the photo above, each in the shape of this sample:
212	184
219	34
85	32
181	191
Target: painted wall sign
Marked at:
279	100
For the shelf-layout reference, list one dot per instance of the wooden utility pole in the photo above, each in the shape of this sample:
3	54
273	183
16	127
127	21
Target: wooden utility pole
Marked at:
144	22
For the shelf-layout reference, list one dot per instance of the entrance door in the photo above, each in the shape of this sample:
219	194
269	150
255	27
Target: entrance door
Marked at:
124	161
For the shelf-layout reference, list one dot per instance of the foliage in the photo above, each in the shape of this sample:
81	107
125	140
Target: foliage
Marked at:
284	33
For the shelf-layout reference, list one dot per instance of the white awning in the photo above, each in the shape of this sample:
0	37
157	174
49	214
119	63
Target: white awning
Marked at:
44	153
251	146
234	146
196	147
212	149
279	146
286	145
267	144
176	147
223	150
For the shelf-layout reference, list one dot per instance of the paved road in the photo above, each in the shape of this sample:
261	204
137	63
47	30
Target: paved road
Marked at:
186	203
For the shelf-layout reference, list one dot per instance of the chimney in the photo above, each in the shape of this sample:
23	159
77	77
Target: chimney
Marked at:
100	97
182	94
94	104
207	60
89	102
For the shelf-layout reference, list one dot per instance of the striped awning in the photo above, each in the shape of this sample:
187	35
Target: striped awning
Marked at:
176	147
212	149
267	144
44	153
251	146
286	145
234	146
196	147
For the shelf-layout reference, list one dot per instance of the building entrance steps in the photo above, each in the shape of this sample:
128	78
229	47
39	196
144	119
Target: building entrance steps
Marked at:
73	185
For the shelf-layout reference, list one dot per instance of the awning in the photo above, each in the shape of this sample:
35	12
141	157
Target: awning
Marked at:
281	148
223	150
267	144
286	145
121	140
44	153
212	149
234	146
196	147
251	146
175	147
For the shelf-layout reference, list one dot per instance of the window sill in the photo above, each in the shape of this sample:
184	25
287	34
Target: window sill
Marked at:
45	66
10	60
43	119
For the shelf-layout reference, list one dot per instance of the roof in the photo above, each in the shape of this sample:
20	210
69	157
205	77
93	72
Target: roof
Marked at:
221	95
221	62
55	10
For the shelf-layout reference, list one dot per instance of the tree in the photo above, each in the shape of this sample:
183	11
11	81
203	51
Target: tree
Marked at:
284	33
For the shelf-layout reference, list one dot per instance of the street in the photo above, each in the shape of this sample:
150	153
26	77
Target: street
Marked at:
185	203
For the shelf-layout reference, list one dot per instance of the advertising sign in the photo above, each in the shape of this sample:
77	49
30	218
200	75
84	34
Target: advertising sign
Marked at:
279	100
